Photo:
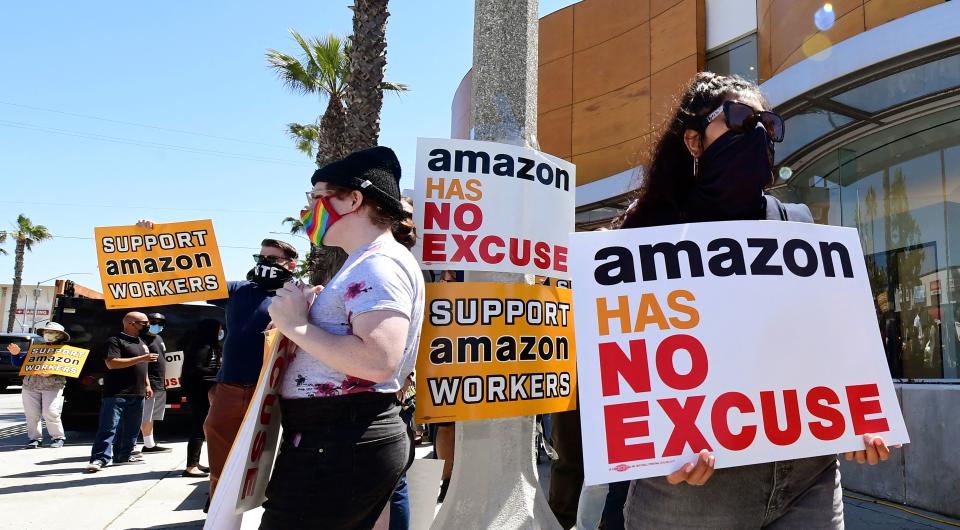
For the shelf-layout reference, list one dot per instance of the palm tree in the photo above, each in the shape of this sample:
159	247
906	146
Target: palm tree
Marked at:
321	69
25	235
368	60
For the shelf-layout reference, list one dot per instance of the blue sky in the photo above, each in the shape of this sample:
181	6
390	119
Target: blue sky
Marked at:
204	119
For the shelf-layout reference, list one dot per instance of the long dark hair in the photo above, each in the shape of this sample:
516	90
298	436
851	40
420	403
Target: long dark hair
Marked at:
669	172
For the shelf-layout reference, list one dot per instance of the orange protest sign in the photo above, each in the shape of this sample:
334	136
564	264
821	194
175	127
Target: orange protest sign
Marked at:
169	264
491	350
48	359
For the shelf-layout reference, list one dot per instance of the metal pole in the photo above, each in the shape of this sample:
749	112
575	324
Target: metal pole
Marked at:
494	482
36	296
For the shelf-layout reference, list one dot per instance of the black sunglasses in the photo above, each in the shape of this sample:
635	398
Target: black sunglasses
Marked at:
741	117
271	259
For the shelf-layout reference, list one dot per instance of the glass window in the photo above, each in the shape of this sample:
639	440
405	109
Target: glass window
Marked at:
900	188
737	58
904	86
811	124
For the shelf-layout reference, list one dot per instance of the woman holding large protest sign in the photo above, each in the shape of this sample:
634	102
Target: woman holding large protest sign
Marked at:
344	444
711	164
43	394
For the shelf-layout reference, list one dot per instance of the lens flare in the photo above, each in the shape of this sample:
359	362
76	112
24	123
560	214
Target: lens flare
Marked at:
785	173
824	17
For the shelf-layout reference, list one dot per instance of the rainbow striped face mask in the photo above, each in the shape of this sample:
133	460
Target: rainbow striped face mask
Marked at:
317	219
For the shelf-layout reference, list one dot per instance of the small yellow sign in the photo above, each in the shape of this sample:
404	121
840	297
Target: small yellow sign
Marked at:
49	359
169	264
493	350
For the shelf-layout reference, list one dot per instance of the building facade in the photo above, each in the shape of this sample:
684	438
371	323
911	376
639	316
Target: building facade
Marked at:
35	303
870	90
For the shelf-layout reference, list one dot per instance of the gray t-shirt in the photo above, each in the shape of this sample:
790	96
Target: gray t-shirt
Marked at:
381	276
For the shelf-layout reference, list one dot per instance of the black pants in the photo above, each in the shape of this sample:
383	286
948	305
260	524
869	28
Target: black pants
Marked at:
199	407
339	462
566	473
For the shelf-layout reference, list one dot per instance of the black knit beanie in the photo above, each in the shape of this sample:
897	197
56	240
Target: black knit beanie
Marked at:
374	172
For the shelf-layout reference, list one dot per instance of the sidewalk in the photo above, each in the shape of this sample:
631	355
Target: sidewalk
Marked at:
46	488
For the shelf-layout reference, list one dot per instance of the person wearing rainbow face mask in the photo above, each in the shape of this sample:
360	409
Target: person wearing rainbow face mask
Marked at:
344	444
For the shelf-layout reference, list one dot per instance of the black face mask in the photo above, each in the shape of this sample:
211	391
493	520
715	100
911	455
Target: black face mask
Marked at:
145	332
268	276
733	172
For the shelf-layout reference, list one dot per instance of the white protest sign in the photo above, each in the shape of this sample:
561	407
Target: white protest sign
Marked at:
485	206
173	369
244	478
755	339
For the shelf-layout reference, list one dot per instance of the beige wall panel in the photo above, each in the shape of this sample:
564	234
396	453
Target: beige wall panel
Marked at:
553	132
665	85
612	64
556	35
610	161
659	6
882	11
763	47
792	24
673	34
554	85
611	118
845	27
595	21
763	7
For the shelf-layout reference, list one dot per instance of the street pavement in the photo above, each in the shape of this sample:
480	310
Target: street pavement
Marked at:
47	489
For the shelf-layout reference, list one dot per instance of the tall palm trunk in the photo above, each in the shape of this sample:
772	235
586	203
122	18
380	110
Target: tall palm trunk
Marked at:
17	280
324	262
368	60
331	143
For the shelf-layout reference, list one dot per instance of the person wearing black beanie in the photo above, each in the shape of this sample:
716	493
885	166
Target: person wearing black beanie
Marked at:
344	444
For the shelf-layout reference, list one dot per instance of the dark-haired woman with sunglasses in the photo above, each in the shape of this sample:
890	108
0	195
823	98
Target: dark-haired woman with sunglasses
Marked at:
712	163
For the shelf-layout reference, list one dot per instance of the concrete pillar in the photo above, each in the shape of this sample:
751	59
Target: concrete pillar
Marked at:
494	482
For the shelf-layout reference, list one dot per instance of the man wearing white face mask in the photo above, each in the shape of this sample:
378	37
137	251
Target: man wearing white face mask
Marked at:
43	394
154	407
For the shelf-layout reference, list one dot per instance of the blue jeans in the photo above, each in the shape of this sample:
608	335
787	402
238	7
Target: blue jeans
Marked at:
400	506
119	421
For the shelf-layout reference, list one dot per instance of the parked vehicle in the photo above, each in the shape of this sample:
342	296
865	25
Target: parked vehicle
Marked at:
90	324
10	374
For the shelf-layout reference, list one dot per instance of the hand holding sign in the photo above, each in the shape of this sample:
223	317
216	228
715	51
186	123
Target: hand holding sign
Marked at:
662	381
289	307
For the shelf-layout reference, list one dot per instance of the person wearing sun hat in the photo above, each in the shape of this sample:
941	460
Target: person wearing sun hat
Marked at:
357	340
42	395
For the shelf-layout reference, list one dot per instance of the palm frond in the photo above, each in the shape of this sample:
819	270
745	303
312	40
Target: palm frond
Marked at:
389	86
396	88
296	226
304	136
293	73
331	62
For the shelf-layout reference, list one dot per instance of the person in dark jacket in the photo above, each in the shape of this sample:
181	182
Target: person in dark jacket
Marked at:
201	362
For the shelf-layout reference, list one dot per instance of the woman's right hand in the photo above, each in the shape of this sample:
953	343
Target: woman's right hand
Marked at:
695	475
13	349
145	223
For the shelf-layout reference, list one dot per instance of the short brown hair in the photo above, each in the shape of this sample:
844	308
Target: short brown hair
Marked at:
288	251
